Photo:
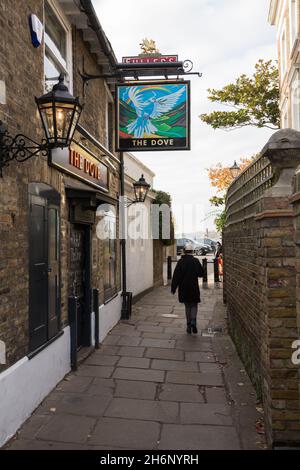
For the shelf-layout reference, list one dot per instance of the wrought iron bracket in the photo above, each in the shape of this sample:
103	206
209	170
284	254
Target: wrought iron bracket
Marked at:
19	148
126	202
130	202
122	71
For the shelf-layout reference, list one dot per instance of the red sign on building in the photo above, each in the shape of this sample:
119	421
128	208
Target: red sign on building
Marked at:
149	59
80	162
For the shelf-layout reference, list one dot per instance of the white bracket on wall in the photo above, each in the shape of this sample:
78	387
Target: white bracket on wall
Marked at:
2	92
2	352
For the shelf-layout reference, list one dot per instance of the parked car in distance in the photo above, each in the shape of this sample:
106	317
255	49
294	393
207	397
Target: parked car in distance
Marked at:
205	245
209	244
199	249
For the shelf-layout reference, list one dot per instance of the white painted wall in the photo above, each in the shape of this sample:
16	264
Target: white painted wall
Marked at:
109	315
139	267
134	168
139	253
24	385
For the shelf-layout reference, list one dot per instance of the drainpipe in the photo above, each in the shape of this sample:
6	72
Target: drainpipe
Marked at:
124	312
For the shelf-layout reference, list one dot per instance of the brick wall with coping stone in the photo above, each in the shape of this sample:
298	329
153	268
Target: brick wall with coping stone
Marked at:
22	69
261	291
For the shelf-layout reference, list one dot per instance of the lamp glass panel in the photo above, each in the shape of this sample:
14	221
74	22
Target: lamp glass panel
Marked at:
136	192
74	123
235	172
47	117
140	193
64	113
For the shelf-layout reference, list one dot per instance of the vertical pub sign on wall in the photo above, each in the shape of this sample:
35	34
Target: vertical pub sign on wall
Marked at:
153	116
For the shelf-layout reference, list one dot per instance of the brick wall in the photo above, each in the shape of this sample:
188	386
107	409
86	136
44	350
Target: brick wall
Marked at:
260	286
22	69
244	284
22	73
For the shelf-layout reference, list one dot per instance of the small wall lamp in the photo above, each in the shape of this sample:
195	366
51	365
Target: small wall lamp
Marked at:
235	170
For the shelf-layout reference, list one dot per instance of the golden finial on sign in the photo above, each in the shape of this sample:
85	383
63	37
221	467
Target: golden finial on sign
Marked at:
148	46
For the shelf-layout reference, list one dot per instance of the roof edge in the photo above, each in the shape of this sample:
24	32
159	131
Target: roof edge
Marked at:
89	10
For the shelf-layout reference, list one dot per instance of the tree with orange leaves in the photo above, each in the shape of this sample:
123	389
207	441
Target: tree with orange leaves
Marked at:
221	178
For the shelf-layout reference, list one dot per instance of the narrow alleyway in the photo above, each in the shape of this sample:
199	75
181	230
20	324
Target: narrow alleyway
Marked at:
151	386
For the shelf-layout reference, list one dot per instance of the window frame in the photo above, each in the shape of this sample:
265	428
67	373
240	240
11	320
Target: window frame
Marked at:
294	22
295	104
283	51
65	65
285	113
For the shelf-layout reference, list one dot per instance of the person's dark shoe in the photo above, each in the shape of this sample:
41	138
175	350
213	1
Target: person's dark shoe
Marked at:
189	330
195	331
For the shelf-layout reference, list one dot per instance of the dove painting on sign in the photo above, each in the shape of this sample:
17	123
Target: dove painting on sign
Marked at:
153	116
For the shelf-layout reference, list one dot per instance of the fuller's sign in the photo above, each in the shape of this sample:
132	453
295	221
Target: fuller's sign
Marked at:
80	162
149	59
153	116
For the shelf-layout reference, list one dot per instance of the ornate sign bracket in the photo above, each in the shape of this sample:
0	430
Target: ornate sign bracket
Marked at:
147	65
151	69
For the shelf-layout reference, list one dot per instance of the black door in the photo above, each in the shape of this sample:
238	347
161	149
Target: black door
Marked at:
44	275
38	273
78	279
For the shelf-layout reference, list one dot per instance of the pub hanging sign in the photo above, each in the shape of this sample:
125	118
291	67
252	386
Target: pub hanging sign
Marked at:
153	116
80	162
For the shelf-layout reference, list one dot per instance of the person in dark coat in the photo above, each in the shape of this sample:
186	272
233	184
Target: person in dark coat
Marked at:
219	249
185	277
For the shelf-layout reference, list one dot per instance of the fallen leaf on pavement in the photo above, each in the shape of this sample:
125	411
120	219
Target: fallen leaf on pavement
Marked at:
260	427
259	409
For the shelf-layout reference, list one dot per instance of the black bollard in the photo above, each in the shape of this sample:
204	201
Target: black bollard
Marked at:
72	307
204	264
169	264
96	310
127	305
216	270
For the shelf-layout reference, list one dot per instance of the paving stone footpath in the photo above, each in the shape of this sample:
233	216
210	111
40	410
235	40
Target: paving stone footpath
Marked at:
151	386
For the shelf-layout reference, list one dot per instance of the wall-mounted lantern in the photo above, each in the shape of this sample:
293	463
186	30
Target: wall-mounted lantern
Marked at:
59	112
141	188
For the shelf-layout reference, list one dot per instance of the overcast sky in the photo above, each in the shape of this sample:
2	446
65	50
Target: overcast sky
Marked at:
223	39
